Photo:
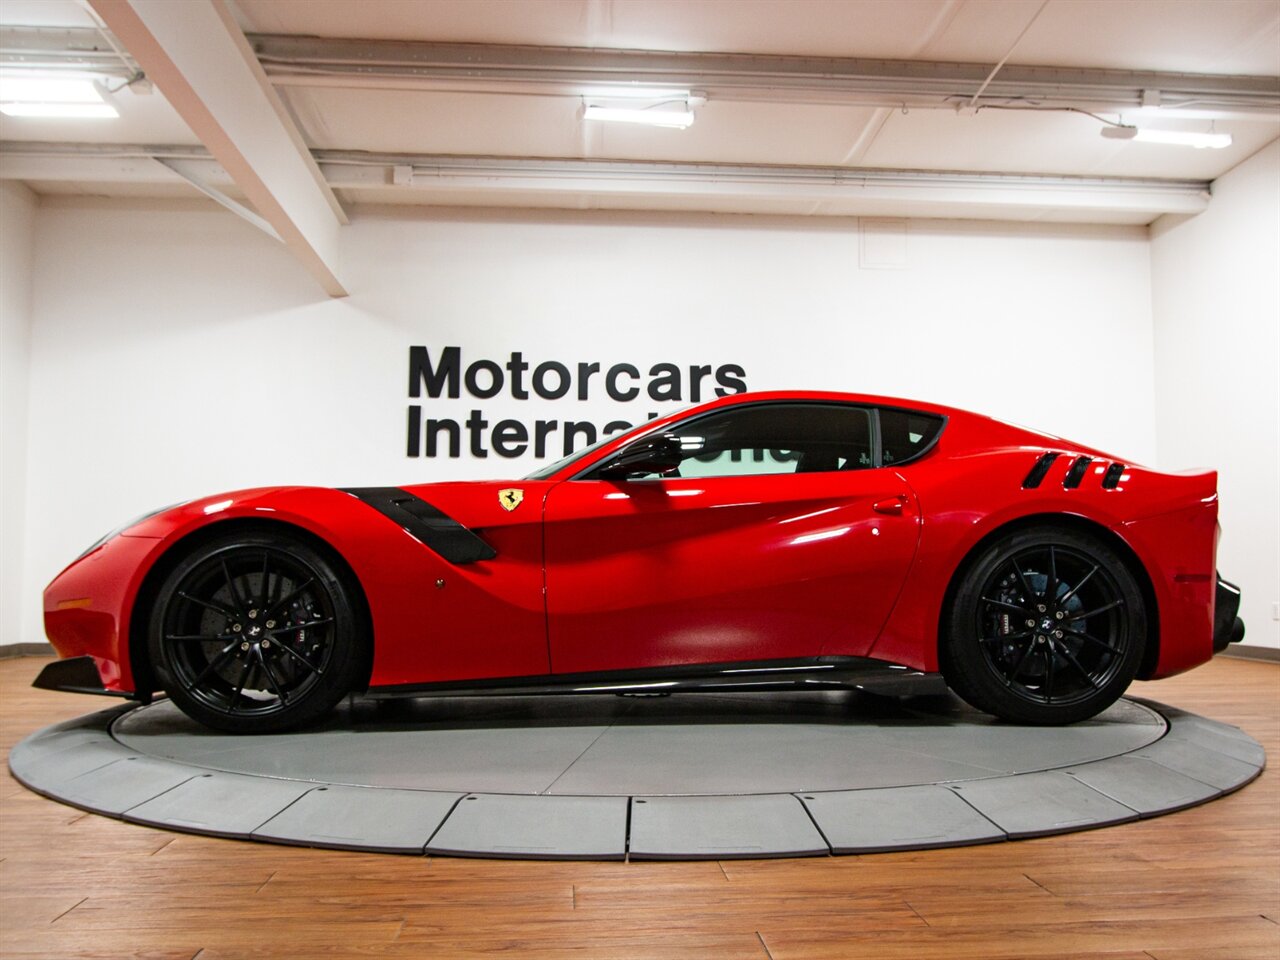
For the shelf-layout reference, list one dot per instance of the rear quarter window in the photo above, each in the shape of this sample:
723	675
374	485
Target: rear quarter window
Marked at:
905	434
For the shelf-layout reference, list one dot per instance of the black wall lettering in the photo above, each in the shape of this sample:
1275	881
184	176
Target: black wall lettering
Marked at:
422	373
611	382
574	427
434	427
695	381
540	380
585	370
541	429
475	424
414	447
517	368
731	378
665	384
445	376
510	438
494	373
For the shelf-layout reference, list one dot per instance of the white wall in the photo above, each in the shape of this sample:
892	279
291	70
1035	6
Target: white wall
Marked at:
1216	305
17	231
177	352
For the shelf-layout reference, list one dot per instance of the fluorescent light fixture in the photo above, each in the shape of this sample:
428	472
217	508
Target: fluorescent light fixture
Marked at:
1170	112
65	111
48	90
645	105
1179	138
55	97
655	115
661	94
1182	138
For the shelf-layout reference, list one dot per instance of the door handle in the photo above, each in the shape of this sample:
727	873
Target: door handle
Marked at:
891	506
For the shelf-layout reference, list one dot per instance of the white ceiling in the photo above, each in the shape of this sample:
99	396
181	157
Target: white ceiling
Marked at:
422	120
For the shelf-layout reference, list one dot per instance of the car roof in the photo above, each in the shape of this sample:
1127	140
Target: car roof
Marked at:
830	396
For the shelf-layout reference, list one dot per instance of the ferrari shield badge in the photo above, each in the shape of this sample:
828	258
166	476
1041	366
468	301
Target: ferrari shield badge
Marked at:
510	498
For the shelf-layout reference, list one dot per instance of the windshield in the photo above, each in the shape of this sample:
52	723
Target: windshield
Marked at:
543	473
553	468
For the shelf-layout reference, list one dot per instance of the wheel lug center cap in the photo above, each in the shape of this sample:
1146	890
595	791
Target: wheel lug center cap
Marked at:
255	630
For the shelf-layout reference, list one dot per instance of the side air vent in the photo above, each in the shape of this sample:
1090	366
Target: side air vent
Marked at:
1111	479
426	523
1076	473
1038	471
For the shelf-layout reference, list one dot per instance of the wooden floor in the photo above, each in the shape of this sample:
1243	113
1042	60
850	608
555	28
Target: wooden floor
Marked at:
1198	885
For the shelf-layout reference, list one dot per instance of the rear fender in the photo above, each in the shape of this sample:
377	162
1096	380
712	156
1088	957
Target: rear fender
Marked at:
966	500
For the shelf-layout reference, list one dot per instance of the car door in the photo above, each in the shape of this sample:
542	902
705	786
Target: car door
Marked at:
778	538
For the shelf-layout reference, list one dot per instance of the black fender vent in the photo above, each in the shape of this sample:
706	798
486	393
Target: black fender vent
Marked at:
1076	473
426	523
1037	472
1111	479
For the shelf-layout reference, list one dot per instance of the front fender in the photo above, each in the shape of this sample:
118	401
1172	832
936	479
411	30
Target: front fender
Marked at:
432	620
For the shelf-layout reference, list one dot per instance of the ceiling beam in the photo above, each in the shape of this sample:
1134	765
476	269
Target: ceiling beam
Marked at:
578	71
198	57
831	190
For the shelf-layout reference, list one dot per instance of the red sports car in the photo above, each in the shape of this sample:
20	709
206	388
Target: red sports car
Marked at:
761	540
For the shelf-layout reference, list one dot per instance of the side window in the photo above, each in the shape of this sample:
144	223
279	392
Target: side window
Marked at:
772	438
905	433
740	462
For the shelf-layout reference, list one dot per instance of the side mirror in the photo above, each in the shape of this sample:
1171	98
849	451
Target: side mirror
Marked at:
658	454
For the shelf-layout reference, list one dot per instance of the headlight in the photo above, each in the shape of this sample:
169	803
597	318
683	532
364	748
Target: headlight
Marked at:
125	526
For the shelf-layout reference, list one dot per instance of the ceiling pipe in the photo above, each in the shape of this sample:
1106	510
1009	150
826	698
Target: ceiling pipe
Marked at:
290	60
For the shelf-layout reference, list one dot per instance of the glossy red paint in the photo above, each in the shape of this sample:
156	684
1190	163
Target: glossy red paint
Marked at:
1166	522
667	572
598	575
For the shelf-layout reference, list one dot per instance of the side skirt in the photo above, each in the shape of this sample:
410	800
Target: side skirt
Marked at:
874	676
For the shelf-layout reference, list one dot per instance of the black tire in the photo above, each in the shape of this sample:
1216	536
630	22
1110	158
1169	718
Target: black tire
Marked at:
256	633
1047	626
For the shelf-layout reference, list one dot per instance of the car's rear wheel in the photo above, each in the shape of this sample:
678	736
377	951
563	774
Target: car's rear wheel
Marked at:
1047	626
256	632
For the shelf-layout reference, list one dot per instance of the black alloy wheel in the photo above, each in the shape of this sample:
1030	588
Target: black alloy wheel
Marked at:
1048	626
256	633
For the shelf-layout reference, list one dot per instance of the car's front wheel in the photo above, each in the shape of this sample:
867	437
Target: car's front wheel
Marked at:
1047	626
255	633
